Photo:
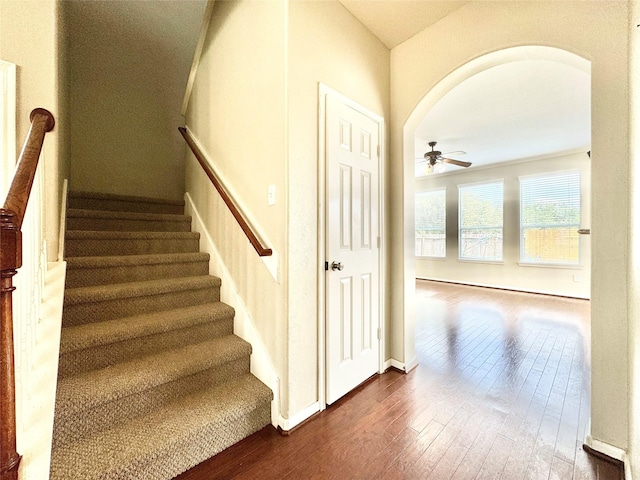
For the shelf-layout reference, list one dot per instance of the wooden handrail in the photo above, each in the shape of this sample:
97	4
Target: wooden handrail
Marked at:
11	217
246	228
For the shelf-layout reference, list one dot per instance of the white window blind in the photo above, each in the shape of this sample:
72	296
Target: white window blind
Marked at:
480	221
431	223
550	218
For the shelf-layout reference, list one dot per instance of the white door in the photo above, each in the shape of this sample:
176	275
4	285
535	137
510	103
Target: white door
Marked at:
352	346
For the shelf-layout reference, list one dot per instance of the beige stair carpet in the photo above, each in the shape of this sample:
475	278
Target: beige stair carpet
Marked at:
152	380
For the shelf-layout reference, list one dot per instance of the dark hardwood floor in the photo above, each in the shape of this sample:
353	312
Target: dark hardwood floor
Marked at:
501	391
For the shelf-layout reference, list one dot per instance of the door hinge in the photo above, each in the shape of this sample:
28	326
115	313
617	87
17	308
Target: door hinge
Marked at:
378	240
379	334
326	266
378	150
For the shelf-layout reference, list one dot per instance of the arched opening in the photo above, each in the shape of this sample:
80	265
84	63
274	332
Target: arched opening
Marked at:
429	101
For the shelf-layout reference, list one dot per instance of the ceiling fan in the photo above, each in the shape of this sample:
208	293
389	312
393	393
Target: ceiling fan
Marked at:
435	158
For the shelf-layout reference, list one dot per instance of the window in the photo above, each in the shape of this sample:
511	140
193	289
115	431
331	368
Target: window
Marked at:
550	218
430	224
480	221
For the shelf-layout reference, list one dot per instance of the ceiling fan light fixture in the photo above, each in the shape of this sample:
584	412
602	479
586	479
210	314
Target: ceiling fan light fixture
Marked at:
433	168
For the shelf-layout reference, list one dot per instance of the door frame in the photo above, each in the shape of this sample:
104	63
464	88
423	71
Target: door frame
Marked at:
323	92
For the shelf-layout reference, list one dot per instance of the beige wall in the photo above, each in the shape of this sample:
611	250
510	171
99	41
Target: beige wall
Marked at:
237	112
509	273
28	38
254	109
634	241
326	44
596	31
127	71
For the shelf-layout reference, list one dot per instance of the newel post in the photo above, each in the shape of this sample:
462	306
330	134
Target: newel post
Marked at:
10	260
11	217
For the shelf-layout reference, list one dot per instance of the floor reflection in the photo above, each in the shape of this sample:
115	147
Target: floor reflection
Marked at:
501	337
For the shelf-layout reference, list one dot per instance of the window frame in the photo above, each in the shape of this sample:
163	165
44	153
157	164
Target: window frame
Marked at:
521	239
443	190
461	189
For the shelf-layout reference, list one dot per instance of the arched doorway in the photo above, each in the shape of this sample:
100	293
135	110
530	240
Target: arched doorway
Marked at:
465	72
433	96
451	48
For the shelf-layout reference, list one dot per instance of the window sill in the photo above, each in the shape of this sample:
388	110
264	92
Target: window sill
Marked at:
485	262
562	266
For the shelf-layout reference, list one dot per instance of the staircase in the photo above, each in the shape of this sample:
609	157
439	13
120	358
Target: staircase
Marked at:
152	380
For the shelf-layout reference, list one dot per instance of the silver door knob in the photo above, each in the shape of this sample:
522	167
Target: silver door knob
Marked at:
336	266
584	231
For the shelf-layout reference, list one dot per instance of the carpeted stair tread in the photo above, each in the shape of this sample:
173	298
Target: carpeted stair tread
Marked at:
74	296
167	217
102	333
107	302
151	380
135	260
102	270
82	219
90	389
123	198
110	234
171	439
123	203
92	243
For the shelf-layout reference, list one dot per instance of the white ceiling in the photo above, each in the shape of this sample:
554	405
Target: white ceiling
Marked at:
520	110
394	21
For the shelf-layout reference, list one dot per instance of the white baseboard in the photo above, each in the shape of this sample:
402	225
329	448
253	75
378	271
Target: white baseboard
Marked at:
502	287
611	451
393	363
243	325
272	261
405	367
287	424
606	448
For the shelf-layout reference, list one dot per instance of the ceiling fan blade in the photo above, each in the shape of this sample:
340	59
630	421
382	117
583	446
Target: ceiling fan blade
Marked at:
457	152
456	162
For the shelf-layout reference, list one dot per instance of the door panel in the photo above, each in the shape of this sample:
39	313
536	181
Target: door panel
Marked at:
352	349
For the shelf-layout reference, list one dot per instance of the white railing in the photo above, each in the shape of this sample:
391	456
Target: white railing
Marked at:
27	298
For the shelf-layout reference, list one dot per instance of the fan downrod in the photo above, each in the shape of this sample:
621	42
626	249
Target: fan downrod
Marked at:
433	154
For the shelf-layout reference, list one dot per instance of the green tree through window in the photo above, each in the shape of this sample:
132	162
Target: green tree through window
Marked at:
431	223
550	218
480	221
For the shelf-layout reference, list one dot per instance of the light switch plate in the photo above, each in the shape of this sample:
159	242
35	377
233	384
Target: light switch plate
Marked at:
271	195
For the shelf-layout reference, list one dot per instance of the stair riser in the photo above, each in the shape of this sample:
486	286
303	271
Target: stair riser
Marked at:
176	393
102	356
96	310
70	427
187	453
123	225
89	277
127	246
123	206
